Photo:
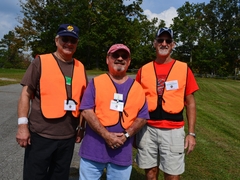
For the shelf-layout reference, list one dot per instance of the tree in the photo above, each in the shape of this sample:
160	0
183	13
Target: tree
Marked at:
11	49
101	24
187	27
208	36
222	28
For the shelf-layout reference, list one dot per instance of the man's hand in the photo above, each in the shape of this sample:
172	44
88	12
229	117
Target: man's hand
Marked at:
190	143
115	140
23	135
80	135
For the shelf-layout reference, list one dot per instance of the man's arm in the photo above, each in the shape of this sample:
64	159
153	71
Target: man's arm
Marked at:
136	126
190	103
23	134
80	129
112	139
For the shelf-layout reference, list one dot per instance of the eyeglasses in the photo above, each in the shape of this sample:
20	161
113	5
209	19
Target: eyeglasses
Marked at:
117	55
67	39
160	40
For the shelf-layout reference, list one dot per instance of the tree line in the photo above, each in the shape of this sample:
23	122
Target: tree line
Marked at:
206	35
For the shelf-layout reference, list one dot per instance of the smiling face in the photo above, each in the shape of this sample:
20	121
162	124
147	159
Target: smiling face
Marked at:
66	46
118	62
163	45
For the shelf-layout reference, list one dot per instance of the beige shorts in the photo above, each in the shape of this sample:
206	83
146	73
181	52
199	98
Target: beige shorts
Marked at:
161	147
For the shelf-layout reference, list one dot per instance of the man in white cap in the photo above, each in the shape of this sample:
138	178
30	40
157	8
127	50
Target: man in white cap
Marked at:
169	86
48	108
115	108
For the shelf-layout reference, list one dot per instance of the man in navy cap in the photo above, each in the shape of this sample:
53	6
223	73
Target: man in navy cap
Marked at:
48	109
169	86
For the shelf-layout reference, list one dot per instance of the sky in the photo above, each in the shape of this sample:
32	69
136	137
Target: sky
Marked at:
10	10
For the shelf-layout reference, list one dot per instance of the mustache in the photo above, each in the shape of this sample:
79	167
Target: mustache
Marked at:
163	47
119	62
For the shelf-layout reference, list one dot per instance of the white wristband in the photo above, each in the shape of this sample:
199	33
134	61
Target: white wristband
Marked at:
22	120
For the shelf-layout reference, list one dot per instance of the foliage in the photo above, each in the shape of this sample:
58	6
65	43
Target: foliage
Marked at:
212	46
207	35
10	51
102	23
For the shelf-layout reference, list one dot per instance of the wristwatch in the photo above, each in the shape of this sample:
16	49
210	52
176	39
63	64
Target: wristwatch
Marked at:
192	134
126	134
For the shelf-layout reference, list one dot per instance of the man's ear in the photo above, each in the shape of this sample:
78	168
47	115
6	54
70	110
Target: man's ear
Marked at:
154	44
107	60
173	44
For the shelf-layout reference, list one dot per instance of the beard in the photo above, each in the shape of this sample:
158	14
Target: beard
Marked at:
119	66
163	52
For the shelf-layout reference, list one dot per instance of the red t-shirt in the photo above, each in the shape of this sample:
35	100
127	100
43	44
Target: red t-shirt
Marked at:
162	72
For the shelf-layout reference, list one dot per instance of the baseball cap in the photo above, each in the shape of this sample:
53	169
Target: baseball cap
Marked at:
68	30
165	29
116	47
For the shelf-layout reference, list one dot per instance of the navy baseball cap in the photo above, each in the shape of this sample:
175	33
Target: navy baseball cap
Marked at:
68	30
165	29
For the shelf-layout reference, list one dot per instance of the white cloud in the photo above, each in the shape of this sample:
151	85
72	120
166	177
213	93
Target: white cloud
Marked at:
166	15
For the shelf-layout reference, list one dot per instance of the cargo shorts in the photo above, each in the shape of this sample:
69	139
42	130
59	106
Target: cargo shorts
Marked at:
161	147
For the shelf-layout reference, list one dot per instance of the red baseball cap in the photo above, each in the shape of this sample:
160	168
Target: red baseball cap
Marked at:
116	47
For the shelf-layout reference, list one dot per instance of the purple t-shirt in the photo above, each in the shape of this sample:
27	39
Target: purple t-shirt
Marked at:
93	146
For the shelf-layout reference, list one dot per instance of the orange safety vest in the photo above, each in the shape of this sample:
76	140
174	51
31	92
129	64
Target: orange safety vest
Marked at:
105	89
53	90
172	100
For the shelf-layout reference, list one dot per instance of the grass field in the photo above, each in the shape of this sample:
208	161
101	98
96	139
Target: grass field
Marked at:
217	153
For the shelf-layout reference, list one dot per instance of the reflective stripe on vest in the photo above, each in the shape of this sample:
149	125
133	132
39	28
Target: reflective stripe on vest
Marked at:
53	87
105	89
173	100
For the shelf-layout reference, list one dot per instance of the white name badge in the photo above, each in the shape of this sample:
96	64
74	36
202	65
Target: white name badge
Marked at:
118	97
71	106
171	85
117	106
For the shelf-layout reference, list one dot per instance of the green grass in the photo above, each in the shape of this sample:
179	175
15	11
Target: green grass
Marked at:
217	153
15	75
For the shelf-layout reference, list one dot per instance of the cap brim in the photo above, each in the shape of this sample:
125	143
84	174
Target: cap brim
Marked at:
68	34
120	49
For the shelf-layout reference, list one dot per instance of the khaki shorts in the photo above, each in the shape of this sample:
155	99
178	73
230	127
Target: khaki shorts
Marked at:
161	147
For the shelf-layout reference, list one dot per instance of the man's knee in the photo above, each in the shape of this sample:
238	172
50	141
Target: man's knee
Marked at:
171	177
152	173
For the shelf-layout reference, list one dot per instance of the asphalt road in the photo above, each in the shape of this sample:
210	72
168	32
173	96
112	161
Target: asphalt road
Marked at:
11	154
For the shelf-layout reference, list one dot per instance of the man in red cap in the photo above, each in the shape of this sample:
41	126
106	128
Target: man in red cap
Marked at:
115	108
56	81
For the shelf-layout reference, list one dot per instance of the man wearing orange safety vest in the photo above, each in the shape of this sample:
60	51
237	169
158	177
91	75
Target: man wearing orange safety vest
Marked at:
114	106
169	86
48	108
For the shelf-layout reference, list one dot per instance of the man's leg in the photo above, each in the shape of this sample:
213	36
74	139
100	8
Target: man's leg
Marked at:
61	159
171	177
37	157
172	153
118	172
89	170
147	141
152	173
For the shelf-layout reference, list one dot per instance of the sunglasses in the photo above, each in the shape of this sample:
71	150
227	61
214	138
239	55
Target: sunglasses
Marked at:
67	39
160	40
117	55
